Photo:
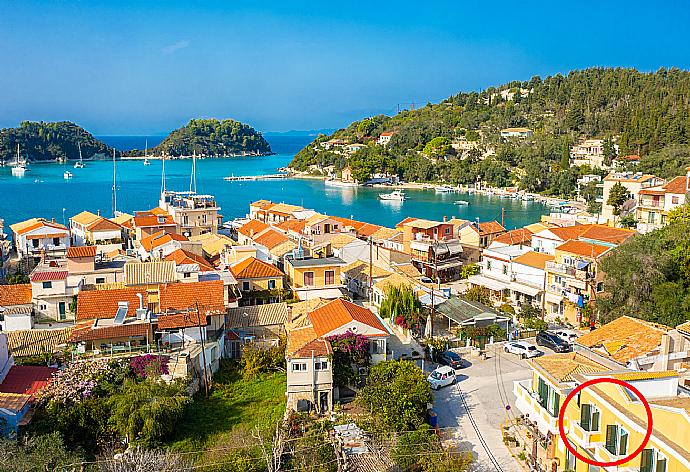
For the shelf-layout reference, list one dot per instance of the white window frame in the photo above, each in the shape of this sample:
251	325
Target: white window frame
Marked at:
299	366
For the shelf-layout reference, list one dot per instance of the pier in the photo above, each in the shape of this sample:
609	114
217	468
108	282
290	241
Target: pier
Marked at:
241	178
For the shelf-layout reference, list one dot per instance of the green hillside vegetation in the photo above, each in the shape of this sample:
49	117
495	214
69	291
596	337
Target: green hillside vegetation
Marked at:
647	113
40	141
212	138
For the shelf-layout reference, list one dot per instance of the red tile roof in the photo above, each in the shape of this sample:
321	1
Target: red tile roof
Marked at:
40	224
677	185
514	237
209	295
607	234
159	238
181	256
405	221
93	304
584	249
44	276
271	238
339	312
181	320
81	251
26	379
252	228
19	294
566	233
291	225
104	224
153	221
491	227
253	268
89	333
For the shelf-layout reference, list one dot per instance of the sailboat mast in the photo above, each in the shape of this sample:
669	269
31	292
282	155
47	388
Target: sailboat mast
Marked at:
80	158
163	175
114	186
146	149
192	178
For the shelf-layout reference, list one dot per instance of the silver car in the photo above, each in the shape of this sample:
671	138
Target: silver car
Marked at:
522	348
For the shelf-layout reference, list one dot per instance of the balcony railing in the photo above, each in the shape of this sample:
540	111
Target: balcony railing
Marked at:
530	400
583	437
568	271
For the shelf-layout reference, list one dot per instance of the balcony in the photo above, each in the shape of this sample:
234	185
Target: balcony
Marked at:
583	438
561	269
528	403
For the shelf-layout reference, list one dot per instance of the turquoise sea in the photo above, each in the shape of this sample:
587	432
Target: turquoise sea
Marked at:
43	192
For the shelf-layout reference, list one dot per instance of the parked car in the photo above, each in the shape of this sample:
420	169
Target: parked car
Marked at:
452	359
522	349
552	341
566	334
442	376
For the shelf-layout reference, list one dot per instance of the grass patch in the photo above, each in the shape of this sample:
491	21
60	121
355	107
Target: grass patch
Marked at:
228	418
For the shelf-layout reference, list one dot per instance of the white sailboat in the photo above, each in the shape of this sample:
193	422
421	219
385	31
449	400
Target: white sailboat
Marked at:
146	154
80	163
397	195
19	167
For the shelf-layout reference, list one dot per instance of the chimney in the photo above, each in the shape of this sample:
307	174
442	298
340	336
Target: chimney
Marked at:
445	218
98	212
664	351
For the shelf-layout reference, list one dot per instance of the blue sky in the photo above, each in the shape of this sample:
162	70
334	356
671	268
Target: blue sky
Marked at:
146	67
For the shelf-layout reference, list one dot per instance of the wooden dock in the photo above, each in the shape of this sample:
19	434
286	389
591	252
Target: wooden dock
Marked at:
241	178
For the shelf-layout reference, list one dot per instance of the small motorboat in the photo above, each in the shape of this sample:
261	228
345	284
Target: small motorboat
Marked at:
146	162
527	198
461	202
67	175
397	195
445	189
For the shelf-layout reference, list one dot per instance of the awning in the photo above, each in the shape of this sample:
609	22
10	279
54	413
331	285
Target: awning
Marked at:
327	293
553	297
447	265
491	284
526	289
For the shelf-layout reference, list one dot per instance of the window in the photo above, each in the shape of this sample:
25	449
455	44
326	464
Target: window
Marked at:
378	346
616	440
549	399
329	275
326	228
488	264
34	242
48	284
245	286
589	417
675	199
570	460
309	279
299	366
652	460
56	241
272	284
321	365
505	269
100	280
447	231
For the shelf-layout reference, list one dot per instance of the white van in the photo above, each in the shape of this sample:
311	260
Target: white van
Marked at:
442	376
567	335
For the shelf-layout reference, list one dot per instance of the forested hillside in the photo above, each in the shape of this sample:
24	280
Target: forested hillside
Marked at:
645	113
212	138
39	141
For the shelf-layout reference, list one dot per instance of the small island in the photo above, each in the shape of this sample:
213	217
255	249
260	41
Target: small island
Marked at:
210	138
45	142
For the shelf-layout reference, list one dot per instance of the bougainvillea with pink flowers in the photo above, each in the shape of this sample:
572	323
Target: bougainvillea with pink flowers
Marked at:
350	350
149	364
74	383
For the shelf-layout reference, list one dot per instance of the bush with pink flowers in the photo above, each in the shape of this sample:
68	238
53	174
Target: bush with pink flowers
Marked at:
149	364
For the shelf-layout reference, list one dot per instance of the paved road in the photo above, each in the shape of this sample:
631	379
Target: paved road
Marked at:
487	387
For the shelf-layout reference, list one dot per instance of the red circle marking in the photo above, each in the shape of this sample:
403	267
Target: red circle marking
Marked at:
586	460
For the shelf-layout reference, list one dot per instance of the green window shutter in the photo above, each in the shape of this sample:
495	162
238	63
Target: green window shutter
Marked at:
556	405
646	460
595	421
611	438
543	393
623	444
585	412
660	465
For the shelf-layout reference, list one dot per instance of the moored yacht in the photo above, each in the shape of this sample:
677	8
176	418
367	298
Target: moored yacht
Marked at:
19	167
398	195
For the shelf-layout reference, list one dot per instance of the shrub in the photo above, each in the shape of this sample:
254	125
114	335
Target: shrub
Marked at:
257	359
149	364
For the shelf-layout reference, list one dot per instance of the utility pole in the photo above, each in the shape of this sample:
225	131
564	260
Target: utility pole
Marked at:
203	349
371	269
433	290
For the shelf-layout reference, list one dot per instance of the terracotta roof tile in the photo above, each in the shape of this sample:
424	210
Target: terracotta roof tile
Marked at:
270	238
181	256
581	248
95	304
160	238
19	294
296	226
34	342
90	333
514	237
81	251
253	228
39	223
150	273
607	234
104	224
677	185
562	367
153	221
13	401
340	312
301	342
567	233
253	268
26	379
187	319
534	259
45	276
209	296
632	338
85	218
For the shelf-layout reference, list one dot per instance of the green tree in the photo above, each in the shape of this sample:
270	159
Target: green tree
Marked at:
618	195
478	294
401	306
609	150
437	147
145	412
396	394
31	453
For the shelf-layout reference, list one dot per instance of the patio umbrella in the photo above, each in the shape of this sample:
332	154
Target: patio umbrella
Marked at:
427	327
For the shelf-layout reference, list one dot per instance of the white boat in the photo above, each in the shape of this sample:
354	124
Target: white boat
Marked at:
146	154
80	163
461	202
444	189
146	162
527	198
67	175
339	183
397	195
19	167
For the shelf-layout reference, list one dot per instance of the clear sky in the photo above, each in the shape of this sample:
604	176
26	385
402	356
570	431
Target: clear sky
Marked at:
146	67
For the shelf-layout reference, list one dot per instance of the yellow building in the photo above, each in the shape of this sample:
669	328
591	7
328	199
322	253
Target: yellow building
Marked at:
605	422
315	277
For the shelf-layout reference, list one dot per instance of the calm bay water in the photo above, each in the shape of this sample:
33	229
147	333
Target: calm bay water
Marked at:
44	192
